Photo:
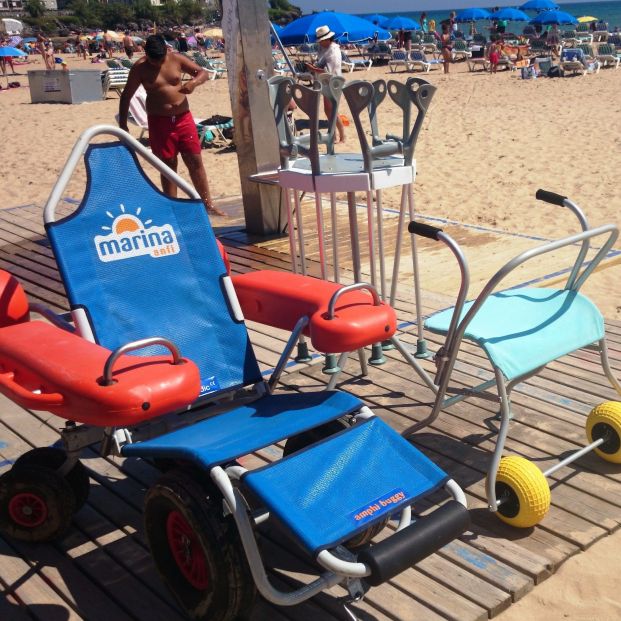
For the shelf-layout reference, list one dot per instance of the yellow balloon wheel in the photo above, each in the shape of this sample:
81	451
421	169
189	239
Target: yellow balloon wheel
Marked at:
604	421
523	491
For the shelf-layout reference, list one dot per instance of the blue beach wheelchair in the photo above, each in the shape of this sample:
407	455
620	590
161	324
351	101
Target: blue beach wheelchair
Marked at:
157	364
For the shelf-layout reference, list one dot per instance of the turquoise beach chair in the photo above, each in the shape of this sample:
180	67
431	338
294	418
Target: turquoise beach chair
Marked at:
520	331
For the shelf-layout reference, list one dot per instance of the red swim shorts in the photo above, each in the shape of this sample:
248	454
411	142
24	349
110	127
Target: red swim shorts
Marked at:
169	135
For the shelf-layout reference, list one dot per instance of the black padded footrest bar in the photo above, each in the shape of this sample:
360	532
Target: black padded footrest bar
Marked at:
429	533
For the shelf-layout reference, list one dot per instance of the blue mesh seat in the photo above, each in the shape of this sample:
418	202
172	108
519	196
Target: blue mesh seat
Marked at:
141	264
300	489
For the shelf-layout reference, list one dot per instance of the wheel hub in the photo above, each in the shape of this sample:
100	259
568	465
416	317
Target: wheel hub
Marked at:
508	502
187	550
611	443
28	510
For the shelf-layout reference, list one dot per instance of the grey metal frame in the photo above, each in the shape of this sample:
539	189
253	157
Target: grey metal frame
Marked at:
446	356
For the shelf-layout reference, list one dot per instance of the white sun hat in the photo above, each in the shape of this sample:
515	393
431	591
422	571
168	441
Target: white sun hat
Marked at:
323	32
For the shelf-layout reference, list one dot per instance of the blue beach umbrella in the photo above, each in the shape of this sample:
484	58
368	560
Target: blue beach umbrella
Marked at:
402	23
539	5
472	15
277	27
377	19
345	27
11	52
511	15
554	17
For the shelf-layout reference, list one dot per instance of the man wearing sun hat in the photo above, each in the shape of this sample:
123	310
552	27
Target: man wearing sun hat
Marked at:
329	60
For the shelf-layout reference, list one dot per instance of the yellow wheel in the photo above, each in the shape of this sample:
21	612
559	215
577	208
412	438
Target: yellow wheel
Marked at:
604	421
523	492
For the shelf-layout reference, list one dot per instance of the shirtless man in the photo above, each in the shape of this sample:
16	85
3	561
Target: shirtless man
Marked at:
171	127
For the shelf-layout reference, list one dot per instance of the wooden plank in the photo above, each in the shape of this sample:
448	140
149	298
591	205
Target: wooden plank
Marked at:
481	592
11	608
490	569
30	589
57	569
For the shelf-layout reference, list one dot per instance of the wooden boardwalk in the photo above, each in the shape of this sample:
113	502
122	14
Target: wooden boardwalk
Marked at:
102	568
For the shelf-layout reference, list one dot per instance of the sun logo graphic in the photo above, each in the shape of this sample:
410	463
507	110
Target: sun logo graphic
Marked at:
130	237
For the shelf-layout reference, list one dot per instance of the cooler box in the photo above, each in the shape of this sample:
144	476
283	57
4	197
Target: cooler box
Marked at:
65	86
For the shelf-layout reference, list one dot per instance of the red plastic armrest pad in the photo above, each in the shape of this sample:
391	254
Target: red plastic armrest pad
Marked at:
65	368
279	299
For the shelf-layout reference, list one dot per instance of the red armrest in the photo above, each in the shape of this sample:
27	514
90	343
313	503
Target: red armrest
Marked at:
64	369
279	299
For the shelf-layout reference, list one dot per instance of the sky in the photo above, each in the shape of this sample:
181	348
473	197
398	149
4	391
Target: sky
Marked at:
394	6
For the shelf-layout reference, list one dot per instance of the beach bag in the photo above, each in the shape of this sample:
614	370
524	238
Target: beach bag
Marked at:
528	73
554	72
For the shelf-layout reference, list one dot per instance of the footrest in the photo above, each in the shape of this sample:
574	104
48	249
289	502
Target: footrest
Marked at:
279	299
335	489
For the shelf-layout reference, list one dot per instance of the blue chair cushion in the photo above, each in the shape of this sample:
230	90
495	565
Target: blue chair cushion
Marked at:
330	491
523	329
247	428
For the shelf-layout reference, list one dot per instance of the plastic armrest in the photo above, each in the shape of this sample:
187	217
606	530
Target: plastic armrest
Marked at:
20	394
393	555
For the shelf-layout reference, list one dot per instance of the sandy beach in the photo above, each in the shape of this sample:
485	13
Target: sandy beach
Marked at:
489	142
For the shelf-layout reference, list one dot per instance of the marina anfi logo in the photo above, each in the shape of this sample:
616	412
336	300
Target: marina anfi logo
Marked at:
129	237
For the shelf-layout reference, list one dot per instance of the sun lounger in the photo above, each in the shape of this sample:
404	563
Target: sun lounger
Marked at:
399	58
114	80
351	64
607	55
573	62
460	50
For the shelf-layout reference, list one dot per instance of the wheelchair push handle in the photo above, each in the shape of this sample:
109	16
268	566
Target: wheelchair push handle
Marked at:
425	230
550	197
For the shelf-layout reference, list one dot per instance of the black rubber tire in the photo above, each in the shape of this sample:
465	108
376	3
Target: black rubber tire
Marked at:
53	458
54	492
305	439
230	592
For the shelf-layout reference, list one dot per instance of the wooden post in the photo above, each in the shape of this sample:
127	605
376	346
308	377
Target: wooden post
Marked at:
249	61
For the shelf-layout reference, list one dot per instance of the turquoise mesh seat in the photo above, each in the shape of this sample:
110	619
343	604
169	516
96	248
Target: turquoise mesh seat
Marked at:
526	328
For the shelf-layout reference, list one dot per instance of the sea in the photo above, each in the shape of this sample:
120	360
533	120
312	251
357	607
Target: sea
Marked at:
609	12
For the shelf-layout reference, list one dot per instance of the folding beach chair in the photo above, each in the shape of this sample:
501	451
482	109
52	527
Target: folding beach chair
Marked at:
521	330
145	277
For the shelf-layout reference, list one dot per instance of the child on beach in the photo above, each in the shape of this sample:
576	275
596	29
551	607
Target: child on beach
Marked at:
494	52
447	47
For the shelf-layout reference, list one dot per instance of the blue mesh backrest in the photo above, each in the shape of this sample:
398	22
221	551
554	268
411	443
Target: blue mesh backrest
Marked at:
143	264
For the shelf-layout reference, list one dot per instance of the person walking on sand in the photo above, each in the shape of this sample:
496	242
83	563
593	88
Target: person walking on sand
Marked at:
494	52
172	130
108	44
447	46
128	45
329	60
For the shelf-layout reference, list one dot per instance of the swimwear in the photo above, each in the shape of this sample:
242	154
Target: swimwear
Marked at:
170	135
494	57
